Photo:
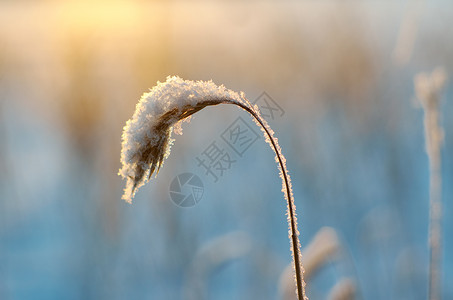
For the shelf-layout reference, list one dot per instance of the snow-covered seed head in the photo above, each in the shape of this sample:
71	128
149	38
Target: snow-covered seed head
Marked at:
146	138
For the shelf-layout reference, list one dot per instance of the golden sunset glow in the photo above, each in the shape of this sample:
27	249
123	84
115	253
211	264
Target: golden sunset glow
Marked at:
358	93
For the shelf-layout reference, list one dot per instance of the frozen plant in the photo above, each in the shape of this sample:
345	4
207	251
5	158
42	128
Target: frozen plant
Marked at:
146	141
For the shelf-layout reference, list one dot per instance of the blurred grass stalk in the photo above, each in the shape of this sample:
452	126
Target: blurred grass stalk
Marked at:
324	247
428	88
345	289
408	33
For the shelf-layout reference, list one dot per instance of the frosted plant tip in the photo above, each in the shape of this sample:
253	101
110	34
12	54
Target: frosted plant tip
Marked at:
146	138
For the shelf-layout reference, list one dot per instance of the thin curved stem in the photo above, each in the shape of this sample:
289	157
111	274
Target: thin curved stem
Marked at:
291	206
295	245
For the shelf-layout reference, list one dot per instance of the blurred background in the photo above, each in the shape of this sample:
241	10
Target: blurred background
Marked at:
341	72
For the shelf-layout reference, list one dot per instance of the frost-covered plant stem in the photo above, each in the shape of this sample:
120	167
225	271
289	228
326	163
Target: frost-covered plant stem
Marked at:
428	88
292	218
147	139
